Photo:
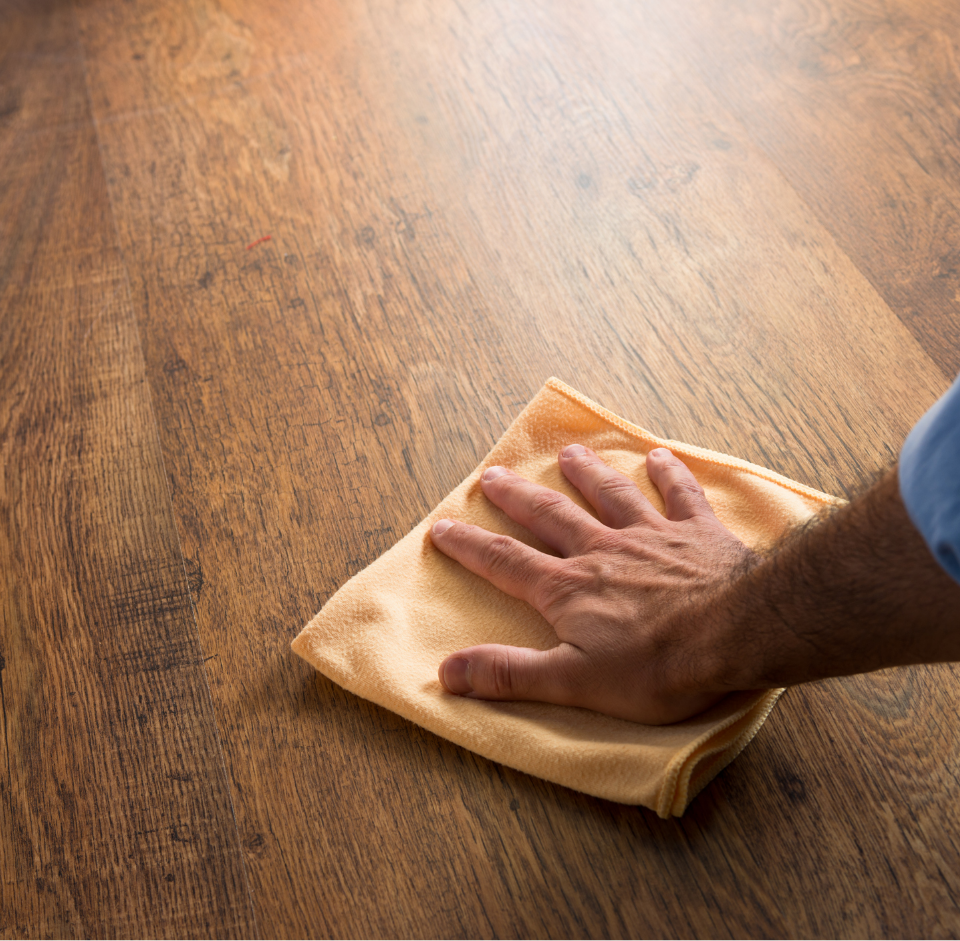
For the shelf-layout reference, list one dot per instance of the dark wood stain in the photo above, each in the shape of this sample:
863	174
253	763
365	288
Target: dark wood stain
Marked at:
115	807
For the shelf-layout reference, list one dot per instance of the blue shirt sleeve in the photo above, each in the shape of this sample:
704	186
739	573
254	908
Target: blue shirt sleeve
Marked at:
930	479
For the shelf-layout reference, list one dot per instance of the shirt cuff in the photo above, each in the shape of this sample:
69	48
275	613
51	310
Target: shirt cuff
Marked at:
930	479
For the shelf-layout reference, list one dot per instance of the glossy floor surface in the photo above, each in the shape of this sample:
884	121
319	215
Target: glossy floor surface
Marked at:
275	274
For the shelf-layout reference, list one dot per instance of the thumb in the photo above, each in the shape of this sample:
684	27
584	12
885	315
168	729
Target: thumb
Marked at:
495	671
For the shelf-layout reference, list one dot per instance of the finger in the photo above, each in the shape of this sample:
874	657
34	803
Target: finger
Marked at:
551	516
498	672
683	496
506	563
613	495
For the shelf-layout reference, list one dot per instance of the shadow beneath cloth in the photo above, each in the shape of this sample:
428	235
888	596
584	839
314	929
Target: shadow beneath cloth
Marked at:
407	756
330	724
380	794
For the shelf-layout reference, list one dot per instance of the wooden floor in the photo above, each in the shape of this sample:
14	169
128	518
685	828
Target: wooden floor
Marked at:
275	274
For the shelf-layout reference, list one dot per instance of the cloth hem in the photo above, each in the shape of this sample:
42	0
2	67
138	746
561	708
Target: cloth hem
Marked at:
679	447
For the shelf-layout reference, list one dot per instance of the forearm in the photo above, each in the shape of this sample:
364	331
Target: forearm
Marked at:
857	592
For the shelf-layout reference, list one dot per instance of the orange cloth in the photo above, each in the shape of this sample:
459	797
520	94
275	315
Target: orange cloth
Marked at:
385	632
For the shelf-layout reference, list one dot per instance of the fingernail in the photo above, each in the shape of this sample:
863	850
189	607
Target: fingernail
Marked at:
573	450
456	676
492	473
441	526
660	452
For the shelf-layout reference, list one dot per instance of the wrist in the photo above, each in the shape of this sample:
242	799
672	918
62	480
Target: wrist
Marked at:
729	653
753	643
858	591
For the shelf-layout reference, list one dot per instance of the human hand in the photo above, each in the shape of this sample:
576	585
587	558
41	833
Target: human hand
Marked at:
631	597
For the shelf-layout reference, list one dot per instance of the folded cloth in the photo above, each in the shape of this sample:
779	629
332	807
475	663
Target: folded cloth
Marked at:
383	635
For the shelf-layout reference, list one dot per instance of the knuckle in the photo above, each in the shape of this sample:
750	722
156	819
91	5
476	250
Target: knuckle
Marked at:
579	680
595	574
615	488
574	681
557	586
497	553
688	487
608	542
501	675
546	503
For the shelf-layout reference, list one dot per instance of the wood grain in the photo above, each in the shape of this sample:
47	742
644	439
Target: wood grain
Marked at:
857	103
462	200
115	816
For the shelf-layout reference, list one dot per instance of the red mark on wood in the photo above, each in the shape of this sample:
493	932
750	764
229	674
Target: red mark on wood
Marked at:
263	238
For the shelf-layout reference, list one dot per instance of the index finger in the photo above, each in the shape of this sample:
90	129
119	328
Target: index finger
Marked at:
505	562
550	515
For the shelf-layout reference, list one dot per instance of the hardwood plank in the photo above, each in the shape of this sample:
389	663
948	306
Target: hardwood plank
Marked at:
462	201
675	253
115	817
857	104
